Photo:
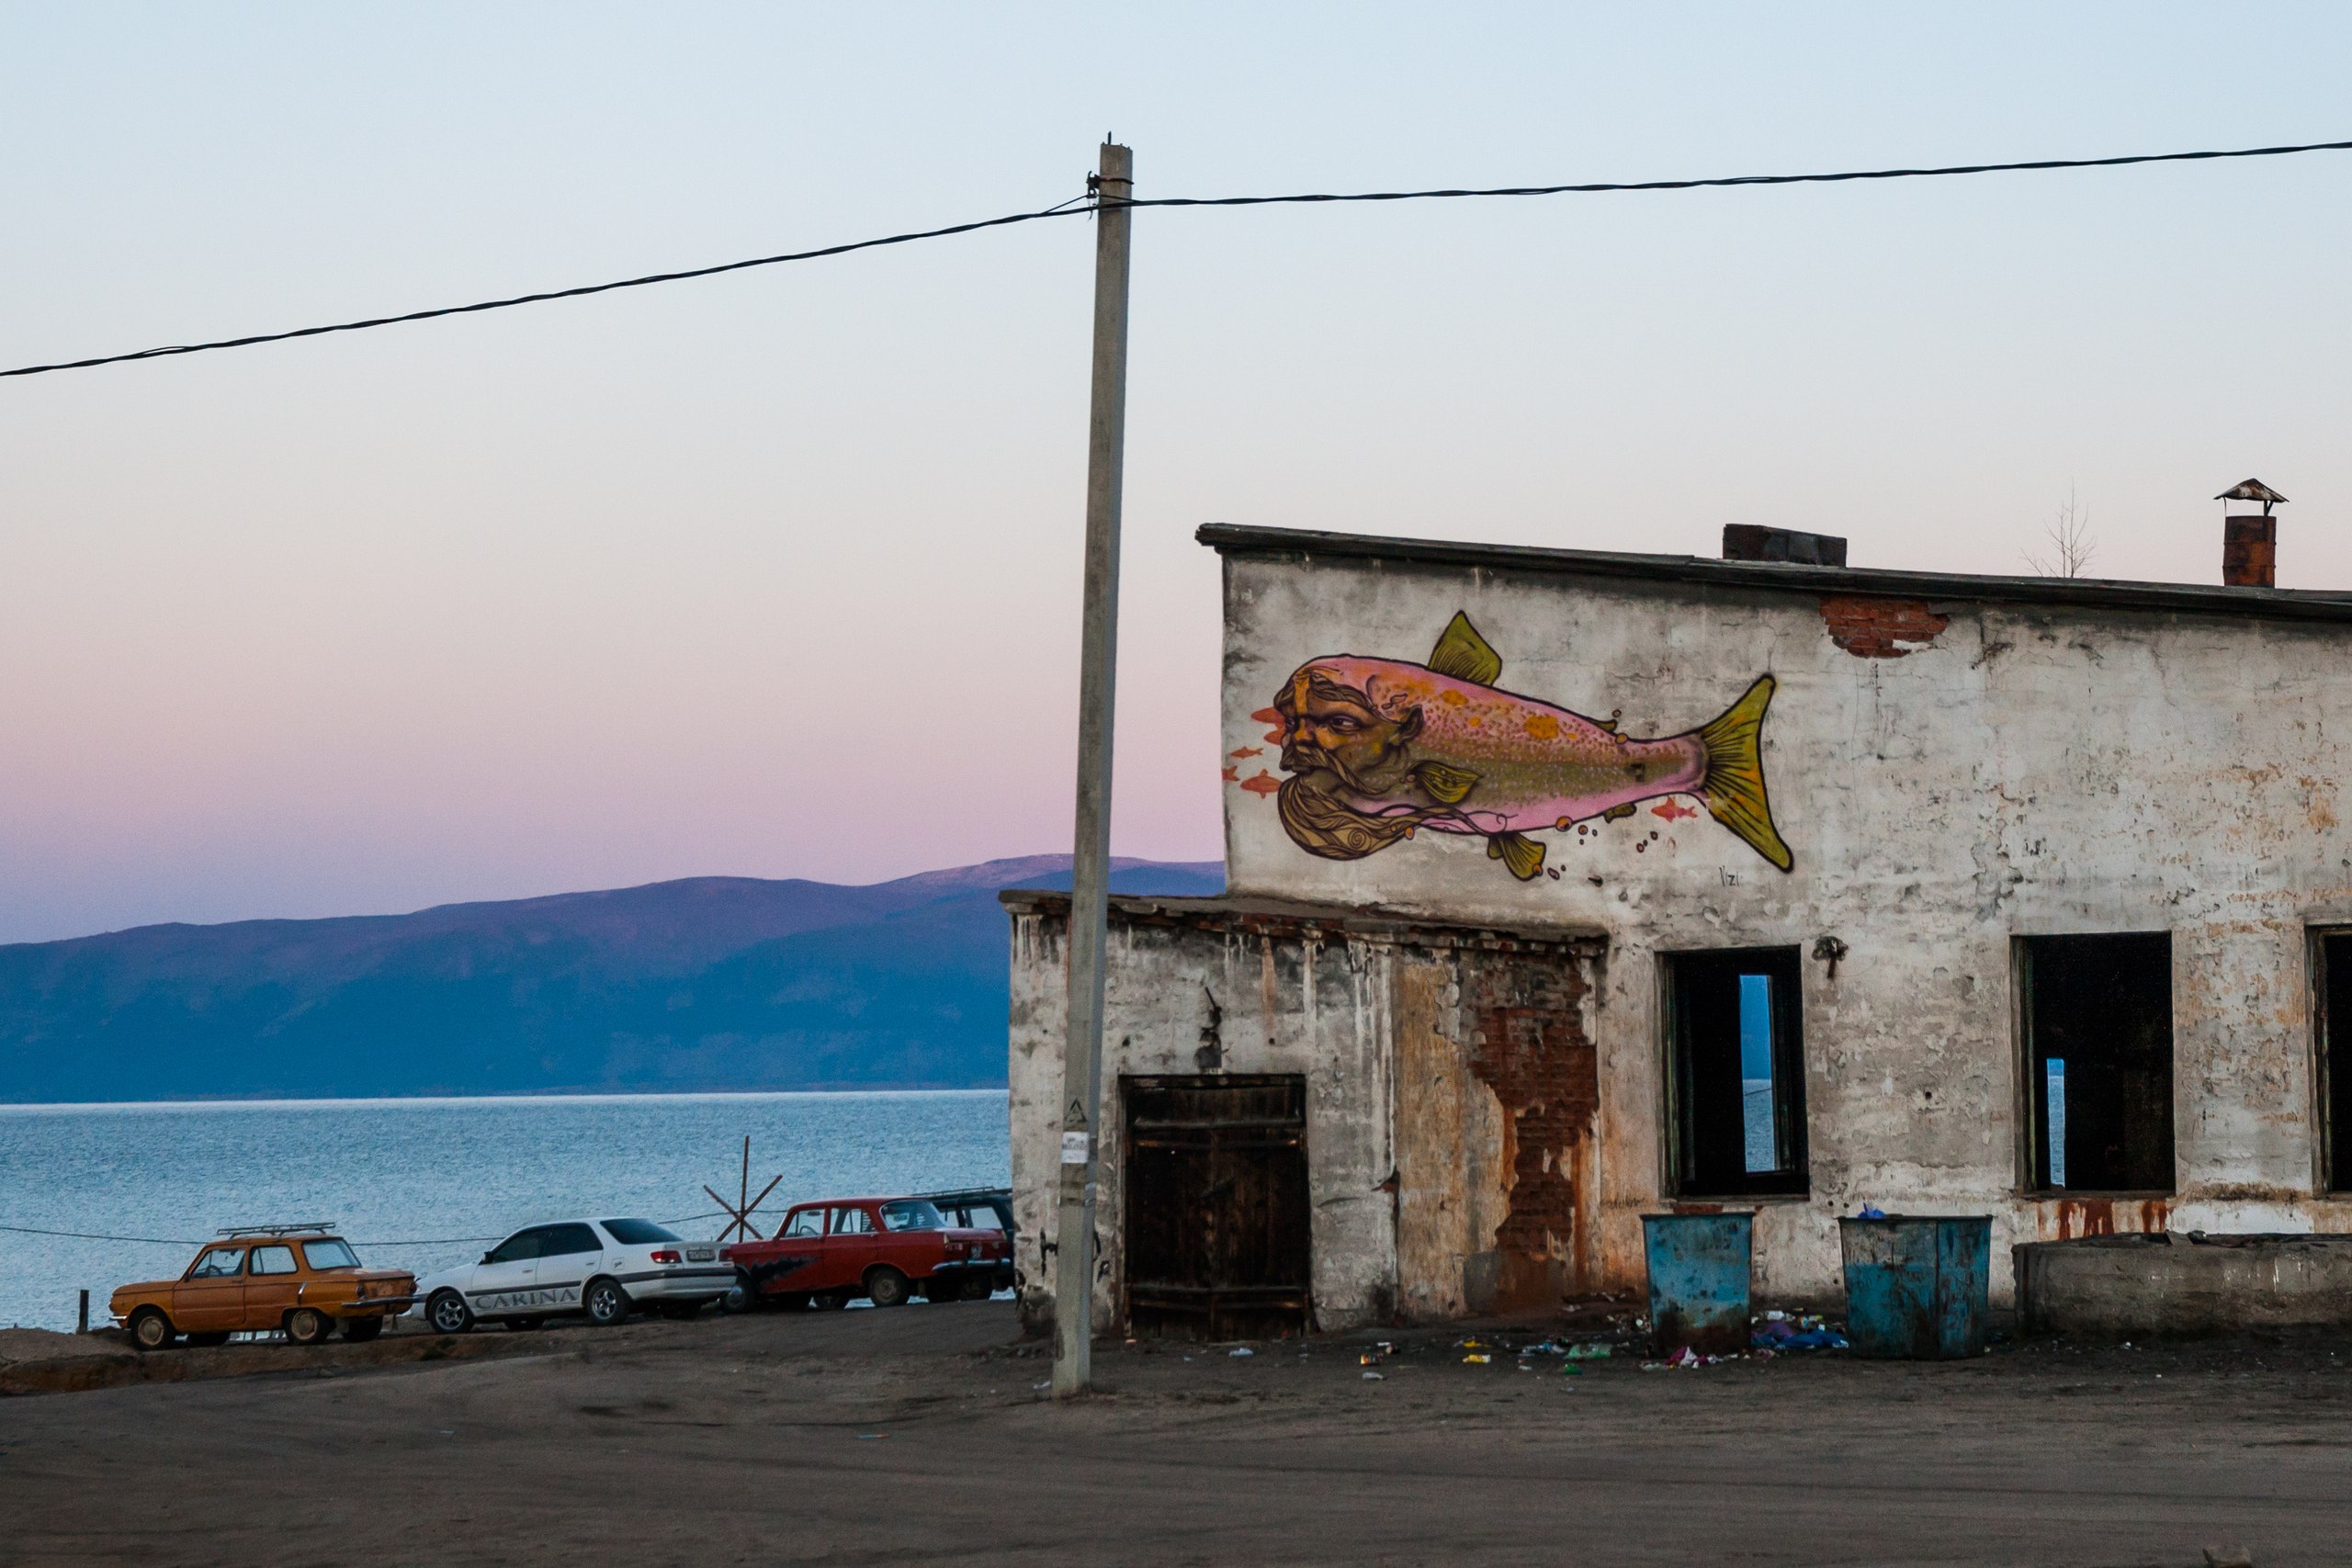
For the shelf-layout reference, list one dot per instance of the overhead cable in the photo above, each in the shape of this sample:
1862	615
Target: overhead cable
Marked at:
1074	207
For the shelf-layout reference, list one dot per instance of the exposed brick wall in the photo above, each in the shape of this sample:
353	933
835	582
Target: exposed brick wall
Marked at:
1528	1044
1877	628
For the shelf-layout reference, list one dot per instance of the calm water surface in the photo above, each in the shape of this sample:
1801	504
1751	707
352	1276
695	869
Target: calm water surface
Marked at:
412	1181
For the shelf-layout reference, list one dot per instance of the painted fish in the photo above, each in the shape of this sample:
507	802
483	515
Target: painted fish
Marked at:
1378	749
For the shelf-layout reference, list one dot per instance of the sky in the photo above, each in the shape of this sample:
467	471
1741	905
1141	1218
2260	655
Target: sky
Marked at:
777	574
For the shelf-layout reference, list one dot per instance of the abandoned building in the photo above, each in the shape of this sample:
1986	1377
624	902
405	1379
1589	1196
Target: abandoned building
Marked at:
1567	886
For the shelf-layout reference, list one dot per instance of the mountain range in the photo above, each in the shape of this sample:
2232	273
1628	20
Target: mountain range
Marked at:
708	983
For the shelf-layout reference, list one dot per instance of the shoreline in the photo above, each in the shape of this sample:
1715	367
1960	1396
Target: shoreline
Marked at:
550	1097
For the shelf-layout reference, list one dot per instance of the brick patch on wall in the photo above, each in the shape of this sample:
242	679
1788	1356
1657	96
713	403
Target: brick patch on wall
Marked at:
1879	628
1528	1047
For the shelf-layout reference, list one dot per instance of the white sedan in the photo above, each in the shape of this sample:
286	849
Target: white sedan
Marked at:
601	1269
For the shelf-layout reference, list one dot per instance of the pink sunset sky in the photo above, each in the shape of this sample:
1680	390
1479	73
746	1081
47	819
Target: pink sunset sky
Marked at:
775	574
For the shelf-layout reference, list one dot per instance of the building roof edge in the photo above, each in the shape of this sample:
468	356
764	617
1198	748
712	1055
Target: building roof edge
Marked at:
2267	604
1365	920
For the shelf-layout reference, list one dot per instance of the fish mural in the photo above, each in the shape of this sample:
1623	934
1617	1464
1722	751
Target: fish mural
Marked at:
1379	748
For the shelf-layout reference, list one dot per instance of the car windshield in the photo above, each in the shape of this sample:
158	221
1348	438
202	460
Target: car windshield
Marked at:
329	1255
635	1233
911	1214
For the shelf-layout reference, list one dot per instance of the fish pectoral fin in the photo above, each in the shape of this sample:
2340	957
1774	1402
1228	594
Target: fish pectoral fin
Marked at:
1522	855
1444	781
1608	724
1618	813
1461	653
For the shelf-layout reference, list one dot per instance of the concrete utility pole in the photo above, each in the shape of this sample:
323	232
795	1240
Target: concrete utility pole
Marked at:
1090	868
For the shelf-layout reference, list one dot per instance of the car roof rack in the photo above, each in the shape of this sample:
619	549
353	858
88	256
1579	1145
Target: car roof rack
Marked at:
314	1227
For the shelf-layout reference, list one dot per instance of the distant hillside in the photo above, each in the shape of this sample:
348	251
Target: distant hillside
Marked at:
711	983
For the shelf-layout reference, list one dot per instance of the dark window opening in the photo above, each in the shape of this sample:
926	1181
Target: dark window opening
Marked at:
2335	955
1736	1023
1217	1205
2099	1061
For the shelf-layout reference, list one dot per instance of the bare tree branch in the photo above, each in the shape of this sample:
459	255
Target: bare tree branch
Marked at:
2071	542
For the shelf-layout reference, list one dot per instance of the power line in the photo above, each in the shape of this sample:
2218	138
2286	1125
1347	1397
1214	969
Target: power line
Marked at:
1072	208
1728	180
1063	211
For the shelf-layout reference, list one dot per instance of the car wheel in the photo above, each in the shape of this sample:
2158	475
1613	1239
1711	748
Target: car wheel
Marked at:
308	1325
941	1289
151	1330
738	1298
525	1324
606	1302
448	1313
359	1330
886	1287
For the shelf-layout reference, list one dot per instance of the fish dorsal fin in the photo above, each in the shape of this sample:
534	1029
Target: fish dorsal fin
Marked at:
1461	653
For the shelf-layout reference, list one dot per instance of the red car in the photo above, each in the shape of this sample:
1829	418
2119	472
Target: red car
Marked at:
829	1254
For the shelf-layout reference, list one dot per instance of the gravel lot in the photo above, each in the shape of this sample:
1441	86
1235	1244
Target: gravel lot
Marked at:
919	1434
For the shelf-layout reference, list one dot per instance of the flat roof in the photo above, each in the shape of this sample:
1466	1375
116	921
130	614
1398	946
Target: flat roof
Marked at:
1249	911
2082	593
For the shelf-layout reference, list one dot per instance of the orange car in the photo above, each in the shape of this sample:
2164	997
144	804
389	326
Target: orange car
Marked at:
302	1279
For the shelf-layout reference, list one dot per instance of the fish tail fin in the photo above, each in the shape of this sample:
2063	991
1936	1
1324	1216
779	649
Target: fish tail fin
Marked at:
1520	853
1733	789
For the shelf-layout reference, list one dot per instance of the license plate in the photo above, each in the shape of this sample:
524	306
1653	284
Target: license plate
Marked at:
700	1253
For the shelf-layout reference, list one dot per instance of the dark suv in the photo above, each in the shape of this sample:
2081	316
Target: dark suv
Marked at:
981	1209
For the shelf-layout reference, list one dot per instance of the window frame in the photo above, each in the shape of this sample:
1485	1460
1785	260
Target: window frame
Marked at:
351	1259
563	1239
1793	1183
2331	1143
236	1273
2031	1110
538	1238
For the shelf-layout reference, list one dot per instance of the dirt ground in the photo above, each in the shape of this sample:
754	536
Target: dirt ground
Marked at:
920	1434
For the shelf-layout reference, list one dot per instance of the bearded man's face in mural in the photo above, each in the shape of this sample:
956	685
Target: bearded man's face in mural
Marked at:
1328	726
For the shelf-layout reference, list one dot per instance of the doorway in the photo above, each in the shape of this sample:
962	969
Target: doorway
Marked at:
1215	1210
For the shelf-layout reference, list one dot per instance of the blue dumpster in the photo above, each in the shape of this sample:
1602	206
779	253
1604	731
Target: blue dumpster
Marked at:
1916	1285
1698	1274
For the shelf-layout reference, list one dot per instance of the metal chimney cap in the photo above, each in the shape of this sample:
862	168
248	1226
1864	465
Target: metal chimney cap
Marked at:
2252	489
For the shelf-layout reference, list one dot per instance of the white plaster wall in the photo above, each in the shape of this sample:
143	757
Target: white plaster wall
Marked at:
1319	1008
2033	771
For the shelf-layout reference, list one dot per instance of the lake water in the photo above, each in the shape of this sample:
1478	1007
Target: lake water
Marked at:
420	1183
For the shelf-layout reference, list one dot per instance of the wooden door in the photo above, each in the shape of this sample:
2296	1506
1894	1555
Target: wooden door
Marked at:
1215	1207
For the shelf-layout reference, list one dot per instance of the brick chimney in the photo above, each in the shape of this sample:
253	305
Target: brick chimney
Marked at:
2250	539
